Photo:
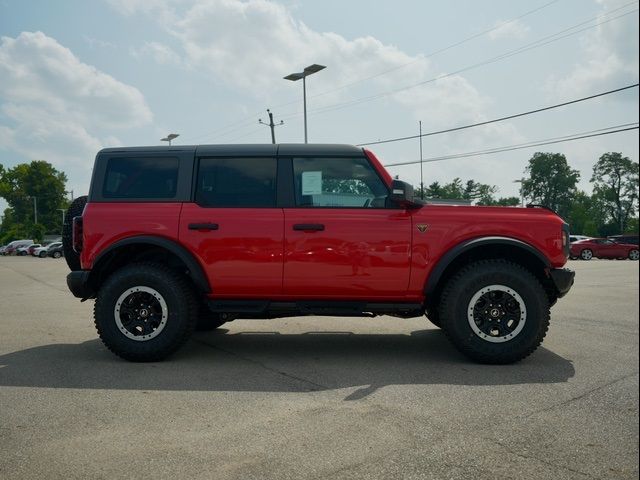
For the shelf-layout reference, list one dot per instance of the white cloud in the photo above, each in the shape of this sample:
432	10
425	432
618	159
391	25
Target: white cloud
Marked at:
161	53
250	45
610	56
60	109
513	29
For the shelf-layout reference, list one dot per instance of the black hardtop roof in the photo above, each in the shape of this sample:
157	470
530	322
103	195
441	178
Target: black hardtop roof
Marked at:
247	149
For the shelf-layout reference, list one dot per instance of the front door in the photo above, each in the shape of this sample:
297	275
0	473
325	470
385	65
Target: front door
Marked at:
341	239
235	228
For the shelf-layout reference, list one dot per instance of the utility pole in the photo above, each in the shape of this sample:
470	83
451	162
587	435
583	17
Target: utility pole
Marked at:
271	125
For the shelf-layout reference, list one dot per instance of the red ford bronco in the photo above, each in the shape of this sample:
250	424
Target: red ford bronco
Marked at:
171	239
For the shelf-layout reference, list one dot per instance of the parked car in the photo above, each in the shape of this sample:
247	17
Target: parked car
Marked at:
55	252
628	239
603	248
575	238
174	238
23	251
11	247
42	251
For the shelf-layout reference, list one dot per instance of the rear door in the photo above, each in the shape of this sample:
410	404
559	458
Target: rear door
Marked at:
234	226
341	240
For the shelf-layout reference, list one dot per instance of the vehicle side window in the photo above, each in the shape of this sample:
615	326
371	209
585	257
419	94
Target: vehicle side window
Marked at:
337	182
237	182
142	177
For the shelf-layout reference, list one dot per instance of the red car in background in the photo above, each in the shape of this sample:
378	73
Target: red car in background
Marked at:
603	248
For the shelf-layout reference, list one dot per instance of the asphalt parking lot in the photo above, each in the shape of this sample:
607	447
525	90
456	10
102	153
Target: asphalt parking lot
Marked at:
314	397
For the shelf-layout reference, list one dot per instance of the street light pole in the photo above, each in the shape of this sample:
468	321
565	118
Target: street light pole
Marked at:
311	69
63	211
521	192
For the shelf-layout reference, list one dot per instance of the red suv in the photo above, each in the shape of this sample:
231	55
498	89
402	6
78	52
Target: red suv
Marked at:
174	238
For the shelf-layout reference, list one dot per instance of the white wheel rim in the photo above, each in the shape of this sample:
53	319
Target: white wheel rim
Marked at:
144	314
520	319
587	254
634	254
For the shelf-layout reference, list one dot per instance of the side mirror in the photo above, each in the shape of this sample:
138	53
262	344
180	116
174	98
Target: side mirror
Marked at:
402	195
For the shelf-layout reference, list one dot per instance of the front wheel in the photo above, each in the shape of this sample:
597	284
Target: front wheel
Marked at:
634	254
144	312
586	254
494	311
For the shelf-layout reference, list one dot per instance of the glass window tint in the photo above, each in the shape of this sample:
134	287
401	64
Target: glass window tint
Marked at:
237	182
146	177
337	182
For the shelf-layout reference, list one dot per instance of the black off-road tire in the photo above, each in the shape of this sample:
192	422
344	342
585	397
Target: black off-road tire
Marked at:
74	210
476	277
182	311
433	316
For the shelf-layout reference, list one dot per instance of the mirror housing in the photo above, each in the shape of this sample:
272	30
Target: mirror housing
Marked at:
402	195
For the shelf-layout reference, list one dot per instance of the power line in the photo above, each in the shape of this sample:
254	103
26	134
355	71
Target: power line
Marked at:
245	120
536	143
424	57
501	119
530	46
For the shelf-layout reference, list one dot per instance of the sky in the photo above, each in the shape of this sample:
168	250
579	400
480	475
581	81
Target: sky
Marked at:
77	76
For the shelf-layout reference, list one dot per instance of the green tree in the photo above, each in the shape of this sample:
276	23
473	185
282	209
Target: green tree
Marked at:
615	185
502	202
19	186
551	182
480	193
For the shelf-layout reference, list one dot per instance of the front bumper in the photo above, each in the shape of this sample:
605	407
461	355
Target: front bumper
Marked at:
563	279
78	283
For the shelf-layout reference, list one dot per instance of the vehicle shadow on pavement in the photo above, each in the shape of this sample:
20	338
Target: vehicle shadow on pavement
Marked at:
274	362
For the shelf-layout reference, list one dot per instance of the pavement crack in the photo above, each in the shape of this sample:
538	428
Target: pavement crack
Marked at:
582	395
315	386
36	279
544	462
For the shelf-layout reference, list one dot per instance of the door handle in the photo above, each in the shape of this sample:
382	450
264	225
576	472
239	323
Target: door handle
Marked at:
309	227
203	226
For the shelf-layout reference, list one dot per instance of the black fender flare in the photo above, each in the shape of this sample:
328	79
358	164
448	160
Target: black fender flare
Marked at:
195	269
446	260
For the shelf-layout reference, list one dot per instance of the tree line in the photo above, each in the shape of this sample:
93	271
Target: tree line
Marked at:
36	197
549	180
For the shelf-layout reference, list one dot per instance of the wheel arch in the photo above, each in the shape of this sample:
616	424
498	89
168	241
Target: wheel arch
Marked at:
148	248
485	248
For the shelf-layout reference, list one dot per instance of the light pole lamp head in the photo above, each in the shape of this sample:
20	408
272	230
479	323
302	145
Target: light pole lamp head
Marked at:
311	69
170	137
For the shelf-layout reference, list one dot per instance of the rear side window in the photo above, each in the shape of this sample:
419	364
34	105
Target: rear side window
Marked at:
237	182
145	177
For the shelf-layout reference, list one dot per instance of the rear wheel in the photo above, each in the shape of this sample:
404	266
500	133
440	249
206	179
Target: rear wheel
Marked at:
144	312
634	254
586	254
56	254
42	254
494	311
75	210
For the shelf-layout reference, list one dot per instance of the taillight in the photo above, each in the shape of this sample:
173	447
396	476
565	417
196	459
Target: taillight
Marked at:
77	234
566	244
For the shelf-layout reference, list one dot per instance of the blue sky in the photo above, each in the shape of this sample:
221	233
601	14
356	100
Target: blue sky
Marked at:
79	75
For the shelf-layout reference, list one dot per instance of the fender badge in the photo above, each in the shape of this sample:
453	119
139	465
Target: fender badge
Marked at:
422	227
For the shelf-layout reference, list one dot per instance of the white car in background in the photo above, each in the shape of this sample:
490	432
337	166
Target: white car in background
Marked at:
575	238
42	251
